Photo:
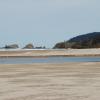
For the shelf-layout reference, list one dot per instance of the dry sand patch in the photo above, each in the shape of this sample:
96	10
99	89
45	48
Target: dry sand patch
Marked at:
67	81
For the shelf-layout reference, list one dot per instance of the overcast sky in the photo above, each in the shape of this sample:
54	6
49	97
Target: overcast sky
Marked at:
45	22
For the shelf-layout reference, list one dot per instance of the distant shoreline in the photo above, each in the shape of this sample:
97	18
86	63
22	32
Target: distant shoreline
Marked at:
41	53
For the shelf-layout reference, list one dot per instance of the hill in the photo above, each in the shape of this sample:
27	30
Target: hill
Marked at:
90	40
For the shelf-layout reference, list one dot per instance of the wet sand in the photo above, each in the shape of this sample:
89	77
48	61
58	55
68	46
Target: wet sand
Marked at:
66	81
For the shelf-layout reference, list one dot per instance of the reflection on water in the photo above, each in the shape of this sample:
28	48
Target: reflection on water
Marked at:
48	60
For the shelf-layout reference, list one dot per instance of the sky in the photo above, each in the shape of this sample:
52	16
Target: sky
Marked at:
46	22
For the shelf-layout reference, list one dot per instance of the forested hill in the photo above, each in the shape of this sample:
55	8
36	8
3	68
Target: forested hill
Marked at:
90	40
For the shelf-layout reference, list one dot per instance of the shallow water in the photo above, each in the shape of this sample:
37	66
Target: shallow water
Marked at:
48	60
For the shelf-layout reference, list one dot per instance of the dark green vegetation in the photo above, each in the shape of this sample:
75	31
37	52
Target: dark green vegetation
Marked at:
13	46
28	46
90	40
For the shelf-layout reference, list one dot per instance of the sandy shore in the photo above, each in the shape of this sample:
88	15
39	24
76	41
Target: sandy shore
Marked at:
68	81
46	53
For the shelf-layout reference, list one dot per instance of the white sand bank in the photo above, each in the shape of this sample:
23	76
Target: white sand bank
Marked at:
38	53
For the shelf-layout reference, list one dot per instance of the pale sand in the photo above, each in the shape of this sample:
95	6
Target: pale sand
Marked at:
68	81
45	53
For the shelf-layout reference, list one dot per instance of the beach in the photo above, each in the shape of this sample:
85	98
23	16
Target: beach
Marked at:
51	52
66	81
50	81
